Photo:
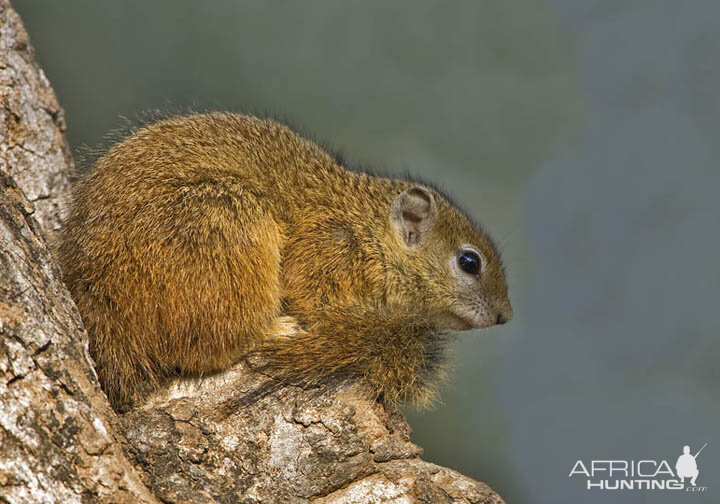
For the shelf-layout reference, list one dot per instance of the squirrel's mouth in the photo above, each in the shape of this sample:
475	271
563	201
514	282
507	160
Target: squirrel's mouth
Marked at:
460	321
472	319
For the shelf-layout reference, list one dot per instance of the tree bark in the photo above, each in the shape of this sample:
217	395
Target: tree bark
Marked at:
59	439
56	439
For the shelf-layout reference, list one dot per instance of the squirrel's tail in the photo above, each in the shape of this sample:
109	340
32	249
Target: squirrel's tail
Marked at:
399	355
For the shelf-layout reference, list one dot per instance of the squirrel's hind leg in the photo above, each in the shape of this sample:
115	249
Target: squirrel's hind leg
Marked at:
227	289
187	286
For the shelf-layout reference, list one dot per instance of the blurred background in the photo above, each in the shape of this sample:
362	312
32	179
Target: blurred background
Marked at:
583	134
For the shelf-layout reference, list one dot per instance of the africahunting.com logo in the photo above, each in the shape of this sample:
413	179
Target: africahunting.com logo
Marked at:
641	474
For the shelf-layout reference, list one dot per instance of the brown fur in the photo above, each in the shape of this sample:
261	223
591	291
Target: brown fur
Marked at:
194	240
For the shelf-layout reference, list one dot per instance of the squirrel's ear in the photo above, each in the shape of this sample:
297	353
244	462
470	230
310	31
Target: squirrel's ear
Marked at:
412	214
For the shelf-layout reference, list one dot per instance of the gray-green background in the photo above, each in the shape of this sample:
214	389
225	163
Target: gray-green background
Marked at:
584	136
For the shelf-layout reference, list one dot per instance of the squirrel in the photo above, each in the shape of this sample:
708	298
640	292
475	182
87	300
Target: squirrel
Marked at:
202	238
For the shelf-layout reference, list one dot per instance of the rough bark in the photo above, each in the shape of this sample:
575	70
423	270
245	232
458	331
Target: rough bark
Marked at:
59	439
330	444
33	147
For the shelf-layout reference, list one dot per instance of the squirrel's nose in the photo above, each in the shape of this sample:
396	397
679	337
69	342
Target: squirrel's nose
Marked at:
504	317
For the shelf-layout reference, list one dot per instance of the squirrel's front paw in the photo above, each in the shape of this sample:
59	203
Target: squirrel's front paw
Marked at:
286	327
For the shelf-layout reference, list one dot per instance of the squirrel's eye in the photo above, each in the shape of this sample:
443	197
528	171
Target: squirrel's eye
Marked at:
469	262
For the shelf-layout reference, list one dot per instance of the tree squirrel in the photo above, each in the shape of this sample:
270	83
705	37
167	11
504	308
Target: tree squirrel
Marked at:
200	238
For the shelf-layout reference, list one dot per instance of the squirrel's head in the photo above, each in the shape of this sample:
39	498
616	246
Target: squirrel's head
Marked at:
448	267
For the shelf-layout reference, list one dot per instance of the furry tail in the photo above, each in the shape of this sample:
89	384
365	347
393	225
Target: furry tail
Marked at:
398	355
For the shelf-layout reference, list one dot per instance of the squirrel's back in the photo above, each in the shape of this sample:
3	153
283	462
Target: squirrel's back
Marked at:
267	158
